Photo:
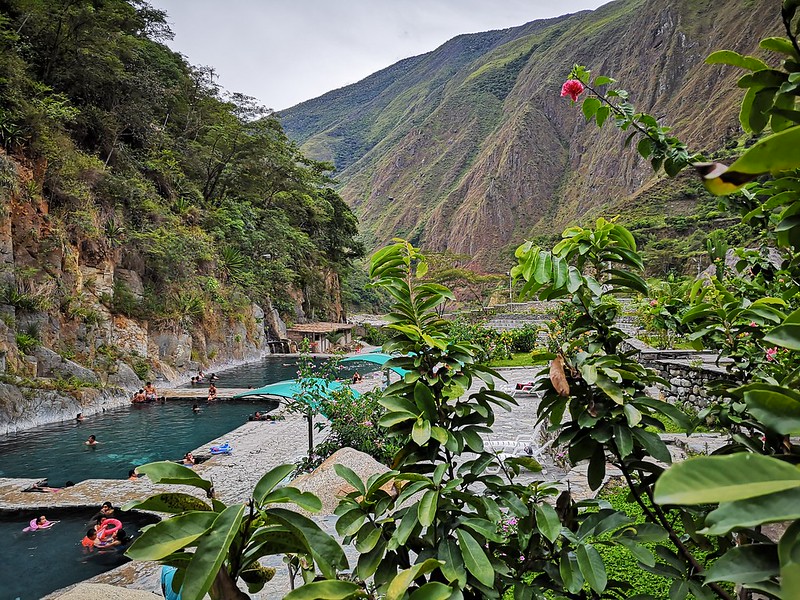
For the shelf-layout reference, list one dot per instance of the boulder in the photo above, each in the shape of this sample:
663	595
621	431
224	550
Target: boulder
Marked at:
329	487
175	349
51	364
124	377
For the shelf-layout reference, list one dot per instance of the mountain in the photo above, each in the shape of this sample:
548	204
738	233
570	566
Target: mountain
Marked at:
470	148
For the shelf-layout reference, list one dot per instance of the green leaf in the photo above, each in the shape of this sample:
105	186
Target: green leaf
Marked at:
711	479
305	500
270	479
592	567
427	507
421	432
350	477
325	590
602	80
771	508
785	336
548	521
212	550
171	535
653	444
424	400
170	472
788	553
778	44
433	590
678	590
169	502
453	563
602	114
729	57
475	558
745	564
326	552
401	582
623	440
590	106
526	462
639	552
772	154
776	407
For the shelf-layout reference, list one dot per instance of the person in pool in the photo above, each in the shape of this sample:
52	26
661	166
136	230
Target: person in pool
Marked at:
90	540
92	441
40	523
188	459
133	475
195	409
79	418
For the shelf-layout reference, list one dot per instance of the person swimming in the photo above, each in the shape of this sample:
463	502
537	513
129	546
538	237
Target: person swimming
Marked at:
90	540
195	409
79	418
39	523
92	441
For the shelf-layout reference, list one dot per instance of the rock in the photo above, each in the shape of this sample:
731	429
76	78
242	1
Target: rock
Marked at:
103	591
51	364
129	335
124	377
175	349
131	281
329	487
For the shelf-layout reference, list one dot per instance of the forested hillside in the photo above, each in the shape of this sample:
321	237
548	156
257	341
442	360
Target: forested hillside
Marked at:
470	148
147	216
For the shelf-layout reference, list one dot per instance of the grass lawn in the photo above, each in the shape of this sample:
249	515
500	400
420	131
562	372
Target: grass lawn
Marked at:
518	359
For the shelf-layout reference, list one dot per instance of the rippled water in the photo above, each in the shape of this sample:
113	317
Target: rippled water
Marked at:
33	564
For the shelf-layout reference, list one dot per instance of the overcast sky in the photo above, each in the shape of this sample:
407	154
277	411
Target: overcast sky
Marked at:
286	51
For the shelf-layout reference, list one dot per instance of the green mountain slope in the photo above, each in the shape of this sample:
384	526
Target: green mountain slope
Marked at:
470	148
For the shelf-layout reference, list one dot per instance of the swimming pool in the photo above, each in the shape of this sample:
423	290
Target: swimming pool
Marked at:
33	564
127	437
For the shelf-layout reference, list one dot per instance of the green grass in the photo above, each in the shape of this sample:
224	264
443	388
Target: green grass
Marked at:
518	359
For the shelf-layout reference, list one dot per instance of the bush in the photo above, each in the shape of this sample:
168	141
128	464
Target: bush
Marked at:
374	336
523	339
492	344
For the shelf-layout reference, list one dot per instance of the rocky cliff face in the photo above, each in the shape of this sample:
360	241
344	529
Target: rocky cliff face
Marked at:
470	148
63	348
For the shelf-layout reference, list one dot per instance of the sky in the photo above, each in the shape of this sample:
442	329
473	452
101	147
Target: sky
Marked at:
285	51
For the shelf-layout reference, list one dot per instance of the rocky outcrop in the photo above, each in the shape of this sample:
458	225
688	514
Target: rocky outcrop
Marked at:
65	345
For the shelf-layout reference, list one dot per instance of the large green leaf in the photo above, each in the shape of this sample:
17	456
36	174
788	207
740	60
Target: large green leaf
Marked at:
776	407
592	567
399	585
427	507
789	555
305	500
212	550
453	563
170	472
785	336
326	590
772	508
433	590
772	154
547	521
270	479
710	479
327	553
729	57
168	502
350	477
475	558
171	535
745	564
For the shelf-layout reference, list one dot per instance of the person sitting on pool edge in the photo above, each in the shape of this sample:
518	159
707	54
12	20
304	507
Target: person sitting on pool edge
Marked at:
150	394
133	475
212	392
92	441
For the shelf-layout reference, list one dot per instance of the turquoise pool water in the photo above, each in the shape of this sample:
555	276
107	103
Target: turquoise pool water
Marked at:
134	435
33	564
127	437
